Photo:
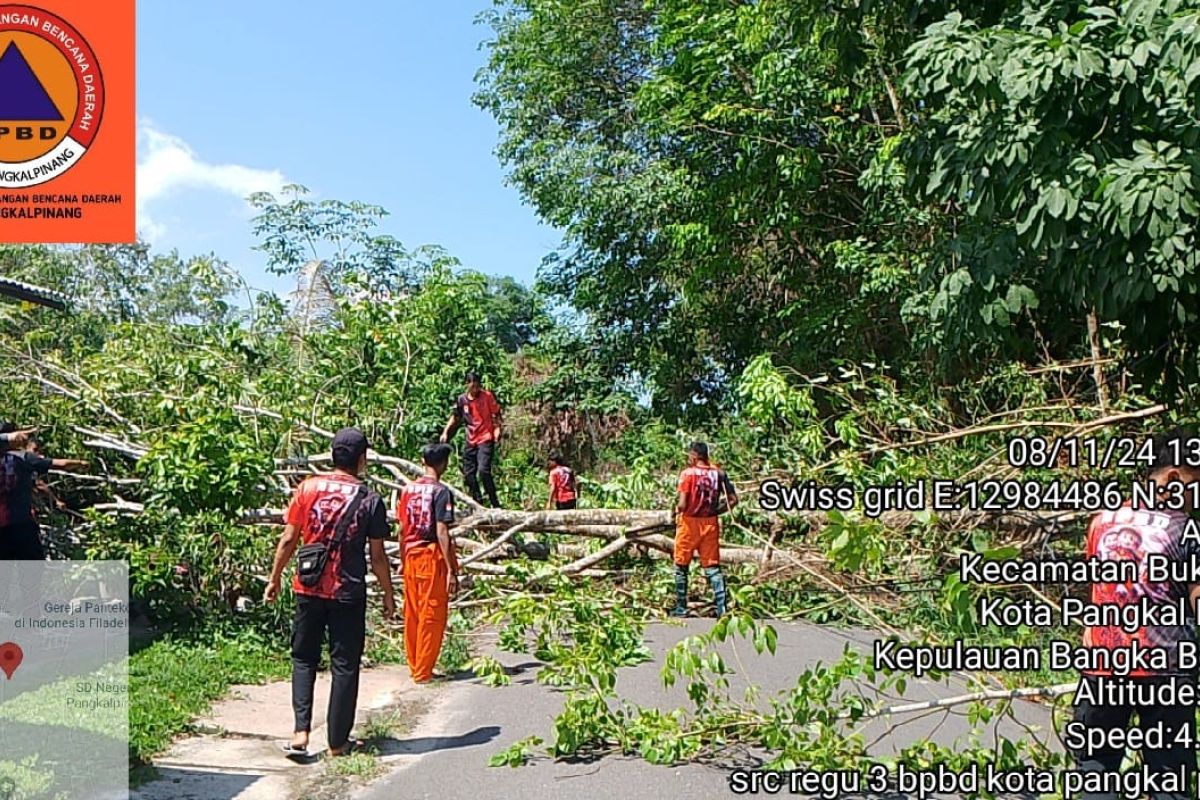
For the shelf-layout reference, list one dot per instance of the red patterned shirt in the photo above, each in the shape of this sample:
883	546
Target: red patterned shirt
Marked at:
703	486
1128	535
422	505
480	415
315	511
562	484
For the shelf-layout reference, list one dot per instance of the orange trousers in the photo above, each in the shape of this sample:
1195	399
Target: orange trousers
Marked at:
426	607
698	534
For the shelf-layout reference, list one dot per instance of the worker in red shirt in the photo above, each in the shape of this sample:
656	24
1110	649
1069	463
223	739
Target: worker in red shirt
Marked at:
1139	535
563	495
478	409
338	510
429	561
702	487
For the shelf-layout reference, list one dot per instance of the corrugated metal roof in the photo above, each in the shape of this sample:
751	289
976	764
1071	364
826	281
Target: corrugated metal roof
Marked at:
29	293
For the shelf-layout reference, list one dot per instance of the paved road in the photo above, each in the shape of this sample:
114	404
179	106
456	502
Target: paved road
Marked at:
446	755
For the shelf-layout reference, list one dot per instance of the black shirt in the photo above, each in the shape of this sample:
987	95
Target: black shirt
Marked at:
18	471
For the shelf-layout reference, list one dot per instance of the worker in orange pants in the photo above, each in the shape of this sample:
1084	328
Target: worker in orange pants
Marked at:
426	608
705	491
430	564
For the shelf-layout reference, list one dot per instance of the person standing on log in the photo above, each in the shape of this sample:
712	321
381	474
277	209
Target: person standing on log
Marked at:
1106	702
429	562
563	494
702	488
20	534
479	410
338	511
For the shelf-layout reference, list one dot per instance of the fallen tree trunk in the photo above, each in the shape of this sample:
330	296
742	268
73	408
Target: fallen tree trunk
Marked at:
630	528
592	522
496	545
619	529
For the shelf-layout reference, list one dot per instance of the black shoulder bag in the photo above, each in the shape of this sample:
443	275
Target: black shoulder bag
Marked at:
312	558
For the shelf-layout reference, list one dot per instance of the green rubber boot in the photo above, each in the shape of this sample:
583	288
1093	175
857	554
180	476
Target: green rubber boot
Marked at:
716	579
681	587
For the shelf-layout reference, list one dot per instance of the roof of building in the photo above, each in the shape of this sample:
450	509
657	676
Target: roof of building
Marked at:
27	292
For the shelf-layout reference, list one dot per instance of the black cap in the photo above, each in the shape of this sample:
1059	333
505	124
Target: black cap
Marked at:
348	445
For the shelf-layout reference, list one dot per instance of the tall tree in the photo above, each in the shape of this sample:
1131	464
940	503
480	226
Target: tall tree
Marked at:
721	172
1064	142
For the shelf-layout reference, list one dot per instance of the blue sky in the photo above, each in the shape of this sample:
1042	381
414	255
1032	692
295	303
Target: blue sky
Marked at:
357	100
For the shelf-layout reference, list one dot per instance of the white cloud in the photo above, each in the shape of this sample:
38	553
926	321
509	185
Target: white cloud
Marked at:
167	164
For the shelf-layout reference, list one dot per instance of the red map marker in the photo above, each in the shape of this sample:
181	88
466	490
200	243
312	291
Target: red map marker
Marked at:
11	656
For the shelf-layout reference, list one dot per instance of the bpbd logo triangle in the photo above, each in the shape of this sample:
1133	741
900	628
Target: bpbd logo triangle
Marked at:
51	96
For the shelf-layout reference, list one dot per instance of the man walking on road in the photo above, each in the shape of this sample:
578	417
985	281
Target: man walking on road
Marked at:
478	409
698	526
339	512
430	564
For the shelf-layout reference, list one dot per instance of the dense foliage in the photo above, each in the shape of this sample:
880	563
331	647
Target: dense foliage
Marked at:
1064	139
935	185
858	242
198	394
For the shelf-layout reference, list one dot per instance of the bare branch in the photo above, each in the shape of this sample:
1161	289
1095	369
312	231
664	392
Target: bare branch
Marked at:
989	694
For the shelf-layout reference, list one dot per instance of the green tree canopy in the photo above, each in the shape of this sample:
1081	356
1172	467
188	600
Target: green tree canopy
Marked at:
1064	142
723	174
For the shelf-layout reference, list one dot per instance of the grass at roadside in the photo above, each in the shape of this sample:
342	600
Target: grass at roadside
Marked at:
46	726
177	678
174	680
379	731
364	766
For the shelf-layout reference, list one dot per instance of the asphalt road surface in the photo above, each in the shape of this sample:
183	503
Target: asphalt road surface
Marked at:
445	755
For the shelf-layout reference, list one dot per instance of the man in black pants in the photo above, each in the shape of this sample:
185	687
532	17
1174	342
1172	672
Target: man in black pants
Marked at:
478	409
338	602
20	535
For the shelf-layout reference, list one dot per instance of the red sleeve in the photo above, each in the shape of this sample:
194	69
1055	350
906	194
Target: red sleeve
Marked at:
685	481
495	405
402	511
295	511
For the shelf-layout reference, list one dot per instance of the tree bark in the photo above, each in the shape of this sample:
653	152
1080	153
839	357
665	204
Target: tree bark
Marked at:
1093	324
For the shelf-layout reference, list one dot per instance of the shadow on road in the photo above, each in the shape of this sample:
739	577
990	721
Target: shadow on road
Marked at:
209	785
430	744
468	675
518	669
